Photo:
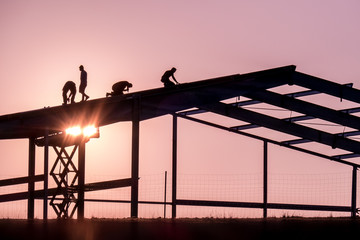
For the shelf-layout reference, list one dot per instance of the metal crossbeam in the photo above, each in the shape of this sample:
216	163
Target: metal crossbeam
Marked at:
21	180
268	140
307	108
54	191
291	119
286	127
299	141
325	86
251	102
347	156
210	203
295	119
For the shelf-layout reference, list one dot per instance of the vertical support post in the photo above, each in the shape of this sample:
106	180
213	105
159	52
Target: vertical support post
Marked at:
353	192
265	178
31	174
135	157
174	166
165	194
46	174
81	180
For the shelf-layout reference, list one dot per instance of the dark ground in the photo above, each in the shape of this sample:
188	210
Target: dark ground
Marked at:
207	228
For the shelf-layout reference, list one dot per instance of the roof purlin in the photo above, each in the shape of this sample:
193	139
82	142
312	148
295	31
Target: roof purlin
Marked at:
286	127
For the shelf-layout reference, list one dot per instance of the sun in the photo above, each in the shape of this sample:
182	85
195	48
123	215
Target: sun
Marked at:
75	131
87	131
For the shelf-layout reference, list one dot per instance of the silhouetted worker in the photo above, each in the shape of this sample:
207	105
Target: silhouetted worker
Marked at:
166	78
83	83
119	88
69	86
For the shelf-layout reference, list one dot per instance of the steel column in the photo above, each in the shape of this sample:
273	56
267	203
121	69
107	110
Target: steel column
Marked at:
174	166
31	174
46	175
135	157
353	192
265	178
81	180
165	194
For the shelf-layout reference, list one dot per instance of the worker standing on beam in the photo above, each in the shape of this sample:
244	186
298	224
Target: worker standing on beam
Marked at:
119	88
69	86
166	78
83	83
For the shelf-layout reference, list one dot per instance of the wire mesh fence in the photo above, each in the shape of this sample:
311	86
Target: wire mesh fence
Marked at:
155	197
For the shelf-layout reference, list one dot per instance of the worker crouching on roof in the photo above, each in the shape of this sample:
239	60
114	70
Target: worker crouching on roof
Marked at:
166	78
69	86
119	88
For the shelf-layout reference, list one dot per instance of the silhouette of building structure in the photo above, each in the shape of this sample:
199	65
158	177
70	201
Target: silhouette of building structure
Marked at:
45	128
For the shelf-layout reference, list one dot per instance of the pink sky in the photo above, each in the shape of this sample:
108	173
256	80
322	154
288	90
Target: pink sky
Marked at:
43	43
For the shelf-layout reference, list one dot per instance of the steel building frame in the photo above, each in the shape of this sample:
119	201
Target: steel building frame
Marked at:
45	127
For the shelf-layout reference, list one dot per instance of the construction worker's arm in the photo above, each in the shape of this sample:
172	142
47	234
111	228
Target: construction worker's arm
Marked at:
174	79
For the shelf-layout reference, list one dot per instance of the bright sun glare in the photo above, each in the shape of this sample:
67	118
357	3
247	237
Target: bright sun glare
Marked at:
87	131
73	131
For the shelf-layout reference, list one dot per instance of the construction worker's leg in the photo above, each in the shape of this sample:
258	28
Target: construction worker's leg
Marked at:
64	98
73	97
168	84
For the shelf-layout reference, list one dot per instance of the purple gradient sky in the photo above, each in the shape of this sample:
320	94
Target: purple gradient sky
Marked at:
43	43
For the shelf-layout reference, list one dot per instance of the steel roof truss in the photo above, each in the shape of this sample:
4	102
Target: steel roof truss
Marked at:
286	127
306	108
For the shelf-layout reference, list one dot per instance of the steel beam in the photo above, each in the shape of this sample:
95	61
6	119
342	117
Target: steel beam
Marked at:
269	141
297	119
21	180
187	202
126	182
347	156
291	119
285	127
307	108
54	191
325	86
251	102
299	141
